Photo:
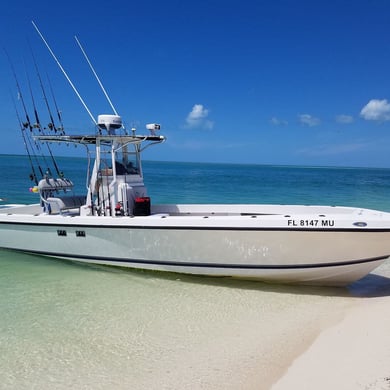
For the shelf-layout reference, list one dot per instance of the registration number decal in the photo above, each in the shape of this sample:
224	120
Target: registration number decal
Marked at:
310	222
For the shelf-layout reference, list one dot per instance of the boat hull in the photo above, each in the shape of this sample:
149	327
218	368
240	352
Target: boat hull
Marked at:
271	254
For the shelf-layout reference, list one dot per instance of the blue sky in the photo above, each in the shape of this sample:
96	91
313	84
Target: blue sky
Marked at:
263	82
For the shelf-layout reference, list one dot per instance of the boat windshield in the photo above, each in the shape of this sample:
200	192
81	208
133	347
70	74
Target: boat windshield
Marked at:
126	162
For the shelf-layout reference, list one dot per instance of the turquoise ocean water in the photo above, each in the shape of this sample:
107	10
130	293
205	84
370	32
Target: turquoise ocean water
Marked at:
65	325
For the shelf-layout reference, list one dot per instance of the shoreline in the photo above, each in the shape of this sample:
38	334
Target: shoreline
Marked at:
351	354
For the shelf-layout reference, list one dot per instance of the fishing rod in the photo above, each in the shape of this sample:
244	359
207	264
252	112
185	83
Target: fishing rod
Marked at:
64	73
61	128
41	130
33	176
37	124
51	125
26	124
20	96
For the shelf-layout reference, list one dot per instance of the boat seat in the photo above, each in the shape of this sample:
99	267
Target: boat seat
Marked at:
62	203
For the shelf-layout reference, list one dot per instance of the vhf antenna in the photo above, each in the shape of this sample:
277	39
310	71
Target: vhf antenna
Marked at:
64	72
97	77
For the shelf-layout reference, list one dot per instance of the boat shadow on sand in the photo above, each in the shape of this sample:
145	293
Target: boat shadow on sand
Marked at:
371	286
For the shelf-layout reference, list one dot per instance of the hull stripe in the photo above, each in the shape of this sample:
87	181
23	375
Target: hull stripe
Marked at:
98	260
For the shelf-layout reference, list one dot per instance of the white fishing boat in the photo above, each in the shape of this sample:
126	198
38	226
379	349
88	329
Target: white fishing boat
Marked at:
116	223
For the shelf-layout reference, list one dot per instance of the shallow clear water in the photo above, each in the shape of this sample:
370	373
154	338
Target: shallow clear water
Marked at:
65	325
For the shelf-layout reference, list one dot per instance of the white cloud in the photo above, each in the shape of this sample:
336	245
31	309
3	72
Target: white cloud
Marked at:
198	112
197	118
308	120
278	122
376	110
342	118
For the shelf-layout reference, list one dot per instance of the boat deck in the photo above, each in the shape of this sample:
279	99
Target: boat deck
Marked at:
210	210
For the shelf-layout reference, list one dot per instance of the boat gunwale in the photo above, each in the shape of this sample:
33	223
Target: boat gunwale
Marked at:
355	229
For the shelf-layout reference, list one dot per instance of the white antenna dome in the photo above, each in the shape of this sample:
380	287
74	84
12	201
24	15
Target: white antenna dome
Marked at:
109	123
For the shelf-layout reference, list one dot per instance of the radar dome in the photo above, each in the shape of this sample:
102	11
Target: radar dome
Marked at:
109	123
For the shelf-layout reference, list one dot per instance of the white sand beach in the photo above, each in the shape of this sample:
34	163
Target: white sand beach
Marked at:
353	354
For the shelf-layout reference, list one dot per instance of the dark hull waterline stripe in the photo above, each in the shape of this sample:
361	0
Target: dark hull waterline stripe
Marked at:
97	260
206	228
